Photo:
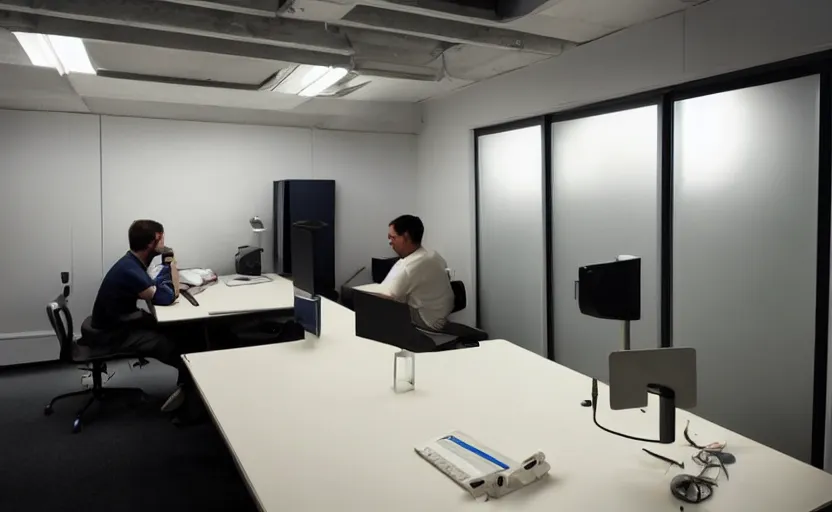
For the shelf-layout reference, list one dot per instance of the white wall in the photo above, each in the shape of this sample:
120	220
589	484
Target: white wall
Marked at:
375	179
73	183
202	181
50	221
716	37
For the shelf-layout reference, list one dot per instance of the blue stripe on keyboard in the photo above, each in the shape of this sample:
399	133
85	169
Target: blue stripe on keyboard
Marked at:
476	451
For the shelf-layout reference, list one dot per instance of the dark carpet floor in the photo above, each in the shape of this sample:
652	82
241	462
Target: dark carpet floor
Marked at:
124	459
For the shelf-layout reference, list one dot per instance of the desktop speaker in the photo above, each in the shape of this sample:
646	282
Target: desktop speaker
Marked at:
611	290
305	200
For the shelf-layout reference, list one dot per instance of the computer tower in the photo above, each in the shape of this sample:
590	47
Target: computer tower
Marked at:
305	200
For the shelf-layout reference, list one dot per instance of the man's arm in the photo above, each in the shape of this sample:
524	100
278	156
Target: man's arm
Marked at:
170	261
174	277
396	288
148	293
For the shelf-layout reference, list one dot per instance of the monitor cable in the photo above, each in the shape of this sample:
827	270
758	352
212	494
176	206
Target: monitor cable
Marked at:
605	429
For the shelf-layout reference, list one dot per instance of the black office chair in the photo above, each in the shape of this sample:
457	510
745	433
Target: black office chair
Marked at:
460	299
465	333
74	352
380	267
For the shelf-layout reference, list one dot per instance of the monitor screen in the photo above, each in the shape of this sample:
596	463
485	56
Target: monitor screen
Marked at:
611	290
306	259
308	314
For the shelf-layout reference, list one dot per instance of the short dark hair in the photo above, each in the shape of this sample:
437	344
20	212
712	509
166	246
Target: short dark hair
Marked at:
411	225
142	232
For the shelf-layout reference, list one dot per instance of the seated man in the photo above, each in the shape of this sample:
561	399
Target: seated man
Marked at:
115	312
419	278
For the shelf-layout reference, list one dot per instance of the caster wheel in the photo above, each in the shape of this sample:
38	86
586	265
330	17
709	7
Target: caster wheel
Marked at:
47	410
76	426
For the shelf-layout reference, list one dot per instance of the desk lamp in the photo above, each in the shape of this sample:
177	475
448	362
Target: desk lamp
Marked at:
612	291
247	260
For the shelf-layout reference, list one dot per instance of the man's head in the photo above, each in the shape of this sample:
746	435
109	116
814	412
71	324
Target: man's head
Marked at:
405	234
146	237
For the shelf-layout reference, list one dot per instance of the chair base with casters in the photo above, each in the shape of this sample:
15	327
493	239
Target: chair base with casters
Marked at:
97	393
94	359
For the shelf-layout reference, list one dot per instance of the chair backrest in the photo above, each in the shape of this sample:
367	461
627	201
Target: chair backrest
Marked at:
460	299
61	320
387	321
380	267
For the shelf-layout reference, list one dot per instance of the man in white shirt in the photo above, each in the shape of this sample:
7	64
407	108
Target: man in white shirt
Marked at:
419	278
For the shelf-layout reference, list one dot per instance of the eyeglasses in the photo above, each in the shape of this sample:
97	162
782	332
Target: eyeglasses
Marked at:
712	459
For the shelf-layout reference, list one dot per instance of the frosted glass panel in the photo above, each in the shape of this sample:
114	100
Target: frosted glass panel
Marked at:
605	190
512	254
744	271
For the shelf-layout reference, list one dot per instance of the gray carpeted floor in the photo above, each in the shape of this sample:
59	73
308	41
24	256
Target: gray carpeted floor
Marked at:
125	459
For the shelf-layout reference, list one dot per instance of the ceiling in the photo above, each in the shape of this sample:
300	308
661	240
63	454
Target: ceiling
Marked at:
213	59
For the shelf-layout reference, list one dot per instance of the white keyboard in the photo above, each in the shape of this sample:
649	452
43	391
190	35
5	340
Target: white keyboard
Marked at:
444	466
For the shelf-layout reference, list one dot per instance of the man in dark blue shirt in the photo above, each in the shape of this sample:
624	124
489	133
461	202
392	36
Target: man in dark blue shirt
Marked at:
115	314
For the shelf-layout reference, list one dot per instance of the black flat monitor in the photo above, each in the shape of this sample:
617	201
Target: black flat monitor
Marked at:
611	290
308	259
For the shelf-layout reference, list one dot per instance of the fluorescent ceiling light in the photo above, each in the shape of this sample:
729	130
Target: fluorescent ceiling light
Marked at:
38	49
327	80
72	54
66	54
306	80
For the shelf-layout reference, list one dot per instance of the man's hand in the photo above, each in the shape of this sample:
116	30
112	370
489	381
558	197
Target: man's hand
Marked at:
167	255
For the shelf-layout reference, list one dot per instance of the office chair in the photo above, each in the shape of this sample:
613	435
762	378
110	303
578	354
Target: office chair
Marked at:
75	353
380	267
460	299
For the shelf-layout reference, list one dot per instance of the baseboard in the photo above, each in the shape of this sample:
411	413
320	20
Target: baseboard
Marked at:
28	347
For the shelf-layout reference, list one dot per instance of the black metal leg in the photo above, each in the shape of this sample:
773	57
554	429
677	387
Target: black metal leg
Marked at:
67	395
97	393
76	425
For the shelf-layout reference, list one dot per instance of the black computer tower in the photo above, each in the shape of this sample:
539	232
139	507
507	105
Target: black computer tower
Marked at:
305	200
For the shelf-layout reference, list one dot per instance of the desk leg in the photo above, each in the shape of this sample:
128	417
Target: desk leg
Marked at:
206	336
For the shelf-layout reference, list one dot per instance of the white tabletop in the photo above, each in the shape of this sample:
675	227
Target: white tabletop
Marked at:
220	298
371	287
315	426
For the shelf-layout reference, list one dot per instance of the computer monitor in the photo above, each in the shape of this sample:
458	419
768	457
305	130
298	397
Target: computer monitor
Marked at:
611	290
308	313
307	258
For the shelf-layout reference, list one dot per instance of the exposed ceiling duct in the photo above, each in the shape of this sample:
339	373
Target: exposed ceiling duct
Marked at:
245	52
353	42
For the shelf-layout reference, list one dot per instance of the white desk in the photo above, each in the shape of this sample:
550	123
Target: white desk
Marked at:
314	426
371	287
220	298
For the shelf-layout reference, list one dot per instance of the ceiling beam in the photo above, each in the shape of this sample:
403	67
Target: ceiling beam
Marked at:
253	7
451	31
121	75
130	35
464	9
185	19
